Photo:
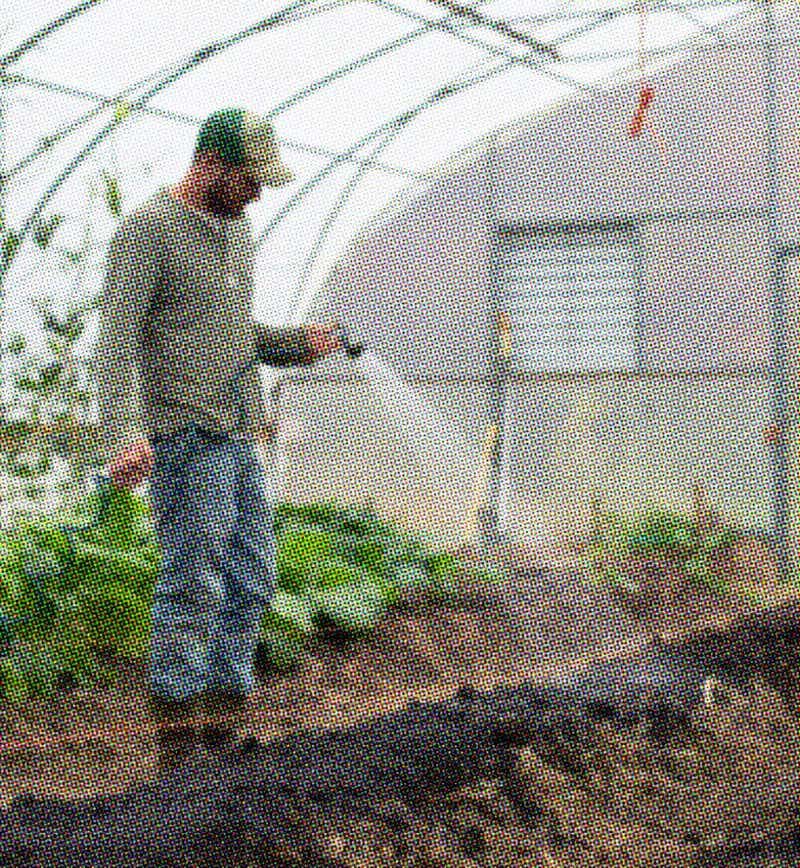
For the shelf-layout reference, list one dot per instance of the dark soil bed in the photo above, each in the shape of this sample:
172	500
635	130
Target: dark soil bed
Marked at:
471	734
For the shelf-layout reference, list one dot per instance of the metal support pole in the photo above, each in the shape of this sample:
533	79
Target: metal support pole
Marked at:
492	534
4	88
776	282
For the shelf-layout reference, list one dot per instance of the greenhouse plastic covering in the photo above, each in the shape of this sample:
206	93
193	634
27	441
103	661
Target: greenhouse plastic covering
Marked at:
370	101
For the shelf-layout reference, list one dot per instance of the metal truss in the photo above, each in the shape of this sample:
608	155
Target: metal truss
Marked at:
540	58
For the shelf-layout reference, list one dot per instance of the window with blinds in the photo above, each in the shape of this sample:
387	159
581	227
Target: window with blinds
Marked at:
571	297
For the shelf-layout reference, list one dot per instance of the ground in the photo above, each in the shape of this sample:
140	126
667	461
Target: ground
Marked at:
536	625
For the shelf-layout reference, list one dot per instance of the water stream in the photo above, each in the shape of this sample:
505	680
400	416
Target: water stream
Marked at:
442	450
423	428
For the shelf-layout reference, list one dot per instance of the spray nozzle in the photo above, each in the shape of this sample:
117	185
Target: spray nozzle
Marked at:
352	350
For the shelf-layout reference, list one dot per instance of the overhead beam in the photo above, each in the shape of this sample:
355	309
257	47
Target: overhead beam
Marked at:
498	26
178	117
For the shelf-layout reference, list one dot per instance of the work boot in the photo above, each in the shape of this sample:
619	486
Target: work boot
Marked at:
225	712
177	736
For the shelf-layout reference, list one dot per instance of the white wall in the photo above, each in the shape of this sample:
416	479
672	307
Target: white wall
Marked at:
417	290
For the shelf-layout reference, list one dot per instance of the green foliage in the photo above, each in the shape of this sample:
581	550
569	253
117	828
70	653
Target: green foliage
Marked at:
370	554
14	684
75	658
26	469
44	229
386	585
660	529
70	327
361	521
122	108
112	195
123	518
354	608
116	617
299	550
39	533
441	565
293	610
97	564
12	586
659	533
443	570
698	569
16	344
343	570
321	515
29	671
284	645
11	242
332	572
72	257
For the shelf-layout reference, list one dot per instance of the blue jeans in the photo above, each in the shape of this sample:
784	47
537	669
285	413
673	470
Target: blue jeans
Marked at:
214	524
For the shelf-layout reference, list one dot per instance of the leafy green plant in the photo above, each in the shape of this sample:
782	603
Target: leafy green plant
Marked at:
112	194
332	572
42	533
294	610
122	524
299	549
116	617
659	530
283	644
44	229
11	242
31	670
361	521
344	574
321	515
95	565
355	608
12	585
443	570
14	683
658	533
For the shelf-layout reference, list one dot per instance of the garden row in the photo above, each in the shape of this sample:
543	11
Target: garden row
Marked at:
70	601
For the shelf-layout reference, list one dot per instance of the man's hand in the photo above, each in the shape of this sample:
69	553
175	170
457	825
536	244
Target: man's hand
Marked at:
323	338
133	465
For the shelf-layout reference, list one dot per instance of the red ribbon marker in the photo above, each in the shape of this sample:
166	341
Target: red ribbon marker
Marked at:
645	98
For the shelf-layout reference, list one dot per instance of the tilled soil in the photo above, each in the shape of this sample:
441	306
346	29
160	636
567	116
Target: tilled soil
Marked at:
609	779
539	623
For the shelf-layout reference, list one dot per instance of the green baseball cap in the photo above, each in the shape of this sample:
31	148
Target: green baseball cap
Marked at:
242	138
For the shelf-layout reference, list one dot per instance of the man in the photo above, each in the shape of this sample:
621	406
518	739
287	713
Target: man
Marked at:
176	319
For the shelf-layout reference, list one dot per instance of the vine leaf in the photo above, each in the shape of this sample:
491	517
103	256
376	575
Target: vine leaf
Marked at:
10	246
16	344
45	229
121	110
112	194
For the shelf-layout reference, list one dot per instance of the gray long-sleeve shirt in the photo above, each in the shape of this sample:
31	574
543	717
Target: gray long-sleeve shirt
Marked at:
175	327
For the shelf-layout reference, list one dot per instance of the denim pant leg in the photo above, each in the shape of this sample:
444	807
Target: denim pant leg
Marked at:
193	493
249	576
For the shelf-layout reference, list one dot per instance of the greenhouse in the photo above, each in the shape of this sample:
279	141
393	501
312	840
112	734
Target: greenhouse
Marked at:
527	486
